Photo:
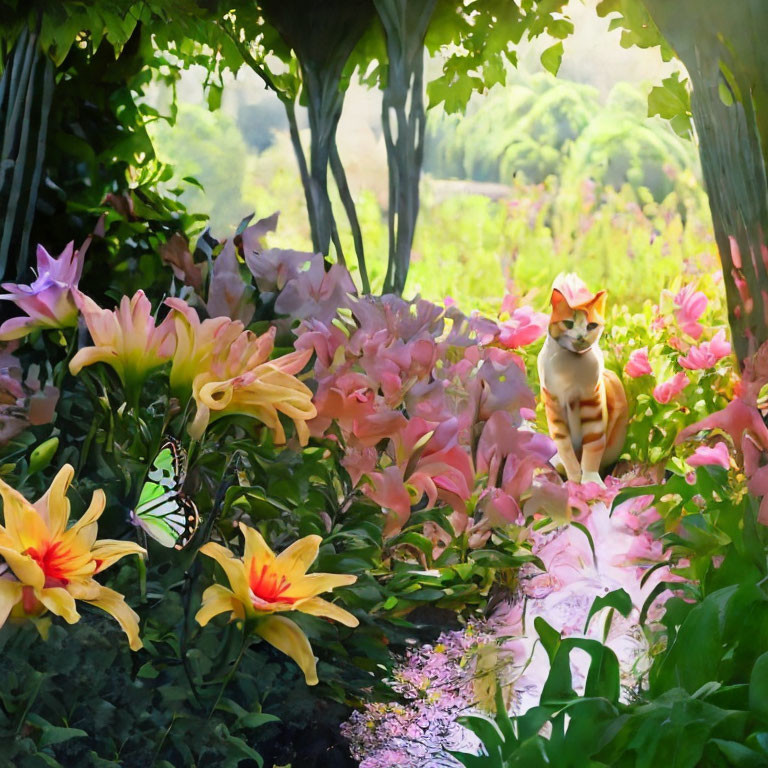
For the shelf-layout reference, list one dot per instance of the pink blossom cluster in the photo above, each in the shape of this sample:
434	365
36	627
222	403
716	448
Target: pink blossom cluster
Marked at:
419	396
689	306
743	421
435	684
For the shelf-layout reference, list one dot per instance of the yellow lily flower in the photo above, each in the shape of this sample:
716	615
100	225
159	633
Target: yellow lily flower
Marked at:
50	566
228	371
263	584
125	338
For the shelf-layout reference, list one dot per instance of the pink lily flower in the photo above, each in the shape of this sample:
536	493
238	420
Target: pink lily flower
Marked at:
228	294
707	354
351	401
691	305
315	292
668	390
387	489
523	327
22	402
126	338
328	342
716	455
428	461
511	455
275	268
638	364
743	422
49	301
501	386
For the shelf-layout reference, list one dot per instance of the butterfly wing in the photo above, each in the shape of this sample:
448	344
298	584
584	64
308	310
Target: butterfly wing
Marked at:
191	521
168	467
164	511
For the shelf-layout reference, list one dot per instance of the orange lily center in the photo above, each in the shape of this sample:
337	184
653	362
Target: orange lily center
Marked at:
267	588
53	561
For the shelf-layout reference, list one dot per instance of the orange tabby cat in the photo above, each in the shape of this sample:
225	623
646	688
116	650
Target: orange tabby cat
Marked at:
585	404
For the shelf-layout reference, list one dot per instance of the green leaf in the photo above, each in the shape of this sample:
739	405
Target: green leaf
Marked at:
215	92
485	729
54	734
549	636
618	599
739	755
758	687
672	101
552	57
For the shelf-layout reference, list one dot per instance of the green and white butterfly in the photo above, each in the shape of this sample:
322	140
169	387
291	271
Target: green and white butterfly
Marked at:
164	511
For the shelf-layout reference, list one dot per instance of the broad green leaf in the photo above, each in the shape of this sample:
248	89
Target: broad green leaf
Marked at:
618	599
758	687
552	57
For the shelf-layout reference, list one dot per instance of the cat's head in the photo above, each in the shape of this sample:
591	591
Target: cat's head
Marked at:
578	316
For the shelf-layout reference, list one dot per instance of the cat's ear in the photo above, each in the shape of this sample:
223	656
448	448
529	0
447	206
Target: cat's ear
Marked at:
597	306
560	307
557	299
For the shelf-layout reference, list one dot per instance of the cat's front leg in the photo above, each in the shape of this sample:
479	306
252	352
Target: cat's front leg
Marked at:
593	441
557	421
593	446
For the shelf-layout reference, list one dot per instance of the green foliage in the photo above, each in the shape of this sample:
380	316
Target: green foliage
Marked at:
704	704
481	38
672	101
540	127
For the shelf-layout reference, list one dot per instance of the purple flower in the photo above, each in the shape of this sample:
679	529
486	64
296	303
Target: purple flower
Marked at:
229	295
315	293
49	301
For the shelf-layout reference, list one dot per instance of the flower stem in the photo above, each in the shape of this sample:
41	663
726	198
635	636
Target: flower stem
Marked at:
231	673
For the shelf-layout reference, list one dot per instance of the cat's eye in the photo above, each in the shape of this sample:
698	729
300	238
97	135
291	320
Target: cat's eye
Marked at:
591	326
568	324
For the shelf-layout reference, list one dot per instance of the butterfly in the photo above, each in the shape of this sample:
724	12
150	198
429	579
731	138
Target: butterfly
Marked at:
164	511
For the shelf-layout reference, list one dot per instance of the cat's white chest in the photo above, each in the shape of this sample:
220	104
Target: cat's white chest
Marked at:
565	374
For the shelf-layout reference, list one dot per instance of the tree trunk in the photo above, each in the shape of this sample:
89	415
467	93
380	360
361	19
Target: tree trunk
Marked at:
724	49
404	120
26	92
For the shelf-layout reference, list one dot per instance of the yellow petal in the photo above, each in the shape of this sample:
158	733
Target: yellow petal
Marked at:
10	594
294	561
32	531
114	604
256	548
316	606
216	395
84	589
92	514
54	505
288	638
91	355
109	551
15	506
232	566
59	601
200	423
317	583
24	567
218	599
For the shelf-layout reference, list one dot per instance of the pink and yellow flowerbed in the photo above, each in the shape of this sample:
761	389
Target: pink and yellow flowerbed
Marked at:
398	444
